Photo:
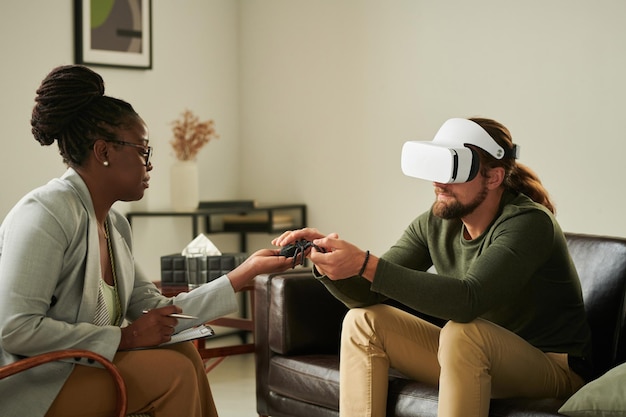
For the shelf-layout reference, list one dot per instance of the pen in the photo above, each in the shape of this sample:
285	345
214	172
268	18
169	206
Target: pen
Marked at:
177	315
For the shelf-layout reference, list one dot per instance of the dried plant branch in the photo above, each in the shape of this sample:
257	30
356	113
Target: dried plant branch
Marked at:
190	135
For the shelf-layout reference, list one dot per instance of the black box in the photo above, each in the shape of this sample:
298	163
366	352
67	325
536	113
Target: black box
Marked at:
211	267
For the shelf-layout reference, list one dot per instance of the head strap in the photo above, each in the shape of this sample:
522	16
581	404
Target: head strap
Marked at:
459	132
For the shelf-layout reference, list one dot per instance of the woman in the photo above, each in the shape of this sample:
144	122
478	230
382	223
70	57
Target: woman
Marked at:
68	280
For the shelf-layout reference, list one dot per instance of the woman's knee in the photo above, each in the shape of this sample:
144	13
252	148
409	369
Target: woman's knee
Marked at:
154	365
188	350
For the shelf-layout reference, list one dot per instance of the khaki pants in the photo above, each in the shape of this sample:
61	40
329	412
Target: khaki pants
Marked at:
167	382
471	362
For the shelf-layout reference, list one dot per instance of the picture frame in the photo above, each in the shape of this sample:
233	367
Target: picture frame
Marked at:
116	33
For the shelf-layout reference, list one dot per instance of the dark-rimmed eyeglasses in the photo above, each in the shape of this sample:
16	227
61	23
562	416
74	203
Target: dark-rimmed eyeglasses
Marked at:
146	150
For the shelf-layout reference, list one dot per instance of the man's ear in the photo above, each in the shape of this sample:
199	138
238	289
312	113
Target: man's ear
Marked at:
495	177
101	151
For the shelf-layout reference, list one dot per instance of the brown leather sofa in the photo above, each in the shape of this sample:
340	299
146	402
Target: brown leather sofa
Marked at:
297	328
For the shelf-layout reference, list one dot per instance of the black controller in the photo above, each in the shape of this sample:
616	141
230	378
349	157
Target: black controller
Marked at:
298	248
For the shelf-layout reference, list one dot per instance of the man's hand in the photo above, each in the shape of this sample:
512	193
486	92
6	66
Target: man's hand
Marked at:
291	236
340	261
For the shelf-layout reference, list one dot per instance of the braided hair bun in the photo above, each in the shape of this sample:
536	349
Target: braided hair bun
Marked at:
60	98
71	108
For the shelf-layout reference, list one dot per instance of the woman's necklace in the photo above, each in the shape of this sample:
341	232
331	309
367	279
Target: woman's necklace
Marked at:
118	302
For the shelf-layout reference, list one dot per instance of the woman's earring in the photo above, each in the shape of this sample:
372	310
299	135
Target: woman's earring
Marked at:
105	163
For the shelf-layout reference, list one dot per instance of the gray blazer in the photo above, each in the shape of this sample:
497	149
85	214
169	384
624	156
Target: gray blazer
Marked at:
49	277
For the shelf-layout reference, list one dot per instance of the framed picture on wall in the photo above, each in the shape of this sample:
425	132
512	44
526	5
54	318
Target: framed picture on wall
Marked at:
113	33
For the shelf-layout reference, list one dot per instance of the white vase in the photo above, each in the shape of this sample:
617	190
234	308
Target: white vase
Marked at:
184	191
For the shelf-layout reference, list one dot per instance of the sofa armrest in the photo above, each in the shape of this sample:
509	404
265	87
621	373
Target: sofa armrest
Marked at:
303	317
293	314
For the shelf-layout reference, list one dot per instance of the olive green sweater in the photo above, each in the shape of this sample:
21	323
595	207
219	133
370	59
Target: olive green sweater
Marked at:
517	274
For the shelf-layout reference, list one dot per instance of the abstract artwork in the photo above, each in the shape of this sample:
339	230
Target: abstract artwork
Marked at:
114	33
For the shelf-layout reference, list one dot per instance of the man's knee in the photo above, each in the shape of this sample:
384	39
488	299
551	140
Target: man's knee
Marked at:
364	318
355	320
360	324
454	331
464	341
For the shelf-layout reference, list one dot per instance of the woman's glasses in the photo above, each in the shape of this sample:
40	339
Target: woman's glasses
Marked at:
146	150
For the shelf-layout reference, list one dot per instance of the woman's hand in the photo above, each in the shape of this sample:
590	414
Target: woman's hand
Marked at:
151	329
264	261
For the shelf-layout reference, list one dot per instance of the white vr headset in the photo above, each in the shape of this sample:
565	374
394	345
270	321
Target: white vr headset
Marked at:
447	158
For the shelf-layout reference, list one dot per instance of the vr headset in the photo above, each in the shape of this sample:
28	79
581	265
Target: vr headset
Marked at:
447	159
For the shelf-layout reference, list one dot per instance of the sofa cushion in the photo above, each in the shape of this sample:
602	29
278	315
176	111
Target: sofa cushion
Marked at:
605	396
310	378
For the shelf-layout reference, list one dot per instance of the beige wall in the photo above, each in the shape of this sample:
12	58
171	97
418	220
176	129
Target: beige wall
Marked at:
333	88
314	99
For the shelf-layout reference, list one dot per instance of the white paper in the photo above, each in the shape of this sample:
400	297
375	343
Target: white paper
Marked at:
201	246
190	334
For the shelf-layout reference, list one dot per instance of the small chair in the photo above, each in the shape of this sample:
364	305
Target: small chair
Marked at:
31	362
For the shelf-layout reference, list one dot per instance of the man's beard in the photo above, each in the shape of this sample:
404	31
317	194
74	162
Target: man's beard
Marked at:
455	210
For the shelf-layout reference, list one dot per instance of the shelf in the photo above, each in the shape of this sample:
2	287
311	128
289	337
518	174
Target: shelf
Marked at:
240	217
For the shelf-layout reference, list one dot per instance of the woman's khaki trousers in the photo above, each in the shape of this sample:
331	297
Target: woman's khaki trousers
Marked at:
166	382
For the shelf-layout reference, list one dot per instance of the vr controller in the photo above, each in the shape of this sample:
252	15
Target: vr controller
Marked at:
298	248
447	158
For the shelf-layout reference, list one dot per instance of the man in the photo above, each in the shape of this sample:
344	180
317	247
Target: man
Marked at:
505	285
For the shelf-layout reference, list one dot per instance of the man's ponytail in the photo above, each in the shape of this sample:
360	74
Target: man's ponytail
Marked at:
518	177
